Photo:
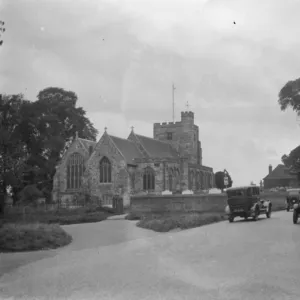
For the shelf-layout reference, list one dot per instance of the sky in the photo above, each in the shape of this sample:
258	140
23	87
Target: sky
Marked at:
121	57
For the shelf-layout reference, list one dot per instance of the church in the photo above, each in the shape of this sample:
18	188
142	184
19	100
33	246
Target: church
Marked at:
170	161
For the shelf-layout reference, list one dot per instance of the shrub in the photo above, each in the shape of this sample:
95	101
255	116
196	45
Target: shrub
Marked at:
34	236
167	222
62	216
133	216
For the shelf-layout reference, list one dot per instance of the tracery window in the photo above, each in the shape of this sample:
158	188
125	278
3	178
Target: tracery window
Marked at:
170	182
148	179
105	170
75	169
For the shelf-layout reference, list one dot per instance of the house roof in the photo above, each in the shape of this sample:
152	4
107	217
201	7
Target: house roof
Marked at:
280	172
127	148
157	148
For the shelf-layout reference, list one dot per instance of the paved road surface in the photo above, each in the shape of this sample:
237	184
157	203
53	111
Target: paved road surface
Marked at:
243	260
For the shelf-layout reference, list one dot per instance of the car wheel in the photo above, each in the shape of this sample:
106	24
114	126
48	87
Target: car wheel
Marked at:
246	218
255	217
288	208
269	212
230	219
295	217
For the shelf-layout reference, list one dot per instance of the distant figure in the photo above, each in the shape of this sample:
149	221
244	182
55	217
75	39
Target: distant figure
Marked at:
233	22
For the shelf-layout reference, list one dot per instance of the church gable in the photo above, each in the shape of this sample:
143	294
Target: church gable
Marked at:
105	148
76	147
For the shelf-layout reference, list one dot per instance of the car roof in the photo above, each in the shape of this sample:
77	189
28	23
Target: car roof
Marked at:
293	190
241	187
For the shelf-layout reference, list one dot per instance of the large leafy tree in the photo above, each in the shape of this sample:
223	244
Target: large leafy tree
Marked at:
34	136
289	96
54	120
219	179
13	152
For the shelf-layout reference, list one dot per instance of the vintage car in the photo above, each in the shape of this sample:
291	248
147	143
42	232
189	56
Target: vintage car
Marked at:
245	202
293	195
296	206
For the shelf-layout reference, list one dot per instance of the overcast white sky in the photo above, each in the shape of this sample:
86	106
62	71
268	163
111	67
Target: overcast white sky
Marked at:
121	57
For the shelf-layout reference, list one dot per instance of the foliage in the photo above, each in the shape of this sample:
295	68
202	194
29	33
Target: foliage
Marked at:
34	136
62	216
29	237
292	161
289	95
169	221
133	216
30	194
2	29
13	153
219	179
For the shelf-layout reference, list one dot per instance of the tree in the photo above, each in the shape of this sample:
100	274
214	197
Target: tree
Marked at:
34	136
292	162
13	152
289	95
219	179
2	29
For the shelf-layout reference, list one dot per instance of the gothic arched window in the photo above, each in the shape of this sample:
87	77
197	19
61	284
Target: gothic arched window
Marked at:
105	170
75	169
197	181
170	182
148	179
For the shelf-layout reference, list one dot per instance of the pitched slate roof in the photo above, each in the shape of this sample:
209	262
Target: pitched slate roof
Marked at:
157	148
280	172
127	148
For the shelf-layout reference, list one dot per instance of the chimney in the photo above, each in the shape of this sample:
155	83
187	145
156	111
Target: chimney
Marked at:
270	169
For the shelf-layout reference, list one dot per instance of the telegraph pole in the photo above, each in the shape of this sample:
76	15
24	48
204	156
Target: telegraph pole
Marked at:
173	102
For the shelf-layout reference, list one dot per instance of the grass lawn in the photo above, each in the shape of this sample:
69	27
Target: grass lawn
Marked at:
28	237
38	229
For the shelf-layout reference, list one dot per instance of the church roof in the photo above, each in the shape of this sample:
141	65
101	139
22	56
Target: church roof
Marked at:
157	148
127	148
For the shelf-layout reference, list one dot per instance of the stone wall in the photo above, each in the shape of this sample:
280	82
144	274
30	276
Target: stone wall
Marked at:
170	203
60	177
201	203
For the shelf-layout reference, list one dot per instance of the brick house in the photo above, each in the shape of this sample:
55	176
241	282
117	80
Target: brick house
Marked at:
171	160
280	177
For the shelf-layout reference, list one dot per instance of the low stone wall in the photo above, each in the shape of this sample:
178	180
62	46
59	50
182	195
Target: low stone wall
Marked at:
170	203
201	203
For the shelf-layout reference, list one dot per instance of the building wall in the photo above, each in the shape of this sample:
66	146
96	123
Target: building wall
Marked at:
60	178
120	173
273	183
200	203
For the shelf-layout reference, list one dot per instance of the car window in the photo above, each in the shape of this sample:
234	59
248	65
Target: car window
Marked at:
249	193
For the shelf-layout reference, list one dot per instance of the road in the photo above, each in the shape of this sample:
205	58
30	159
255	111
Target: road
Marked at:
240	260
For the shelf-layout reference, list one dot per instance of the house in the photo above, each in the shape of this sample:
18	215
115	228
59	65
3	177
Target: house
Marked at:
171	160
279	177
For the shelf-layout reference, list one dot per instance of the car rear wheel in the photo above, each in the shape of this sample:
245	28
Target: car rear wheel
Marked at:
256	214
288	208
230	219
295	217
269	212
